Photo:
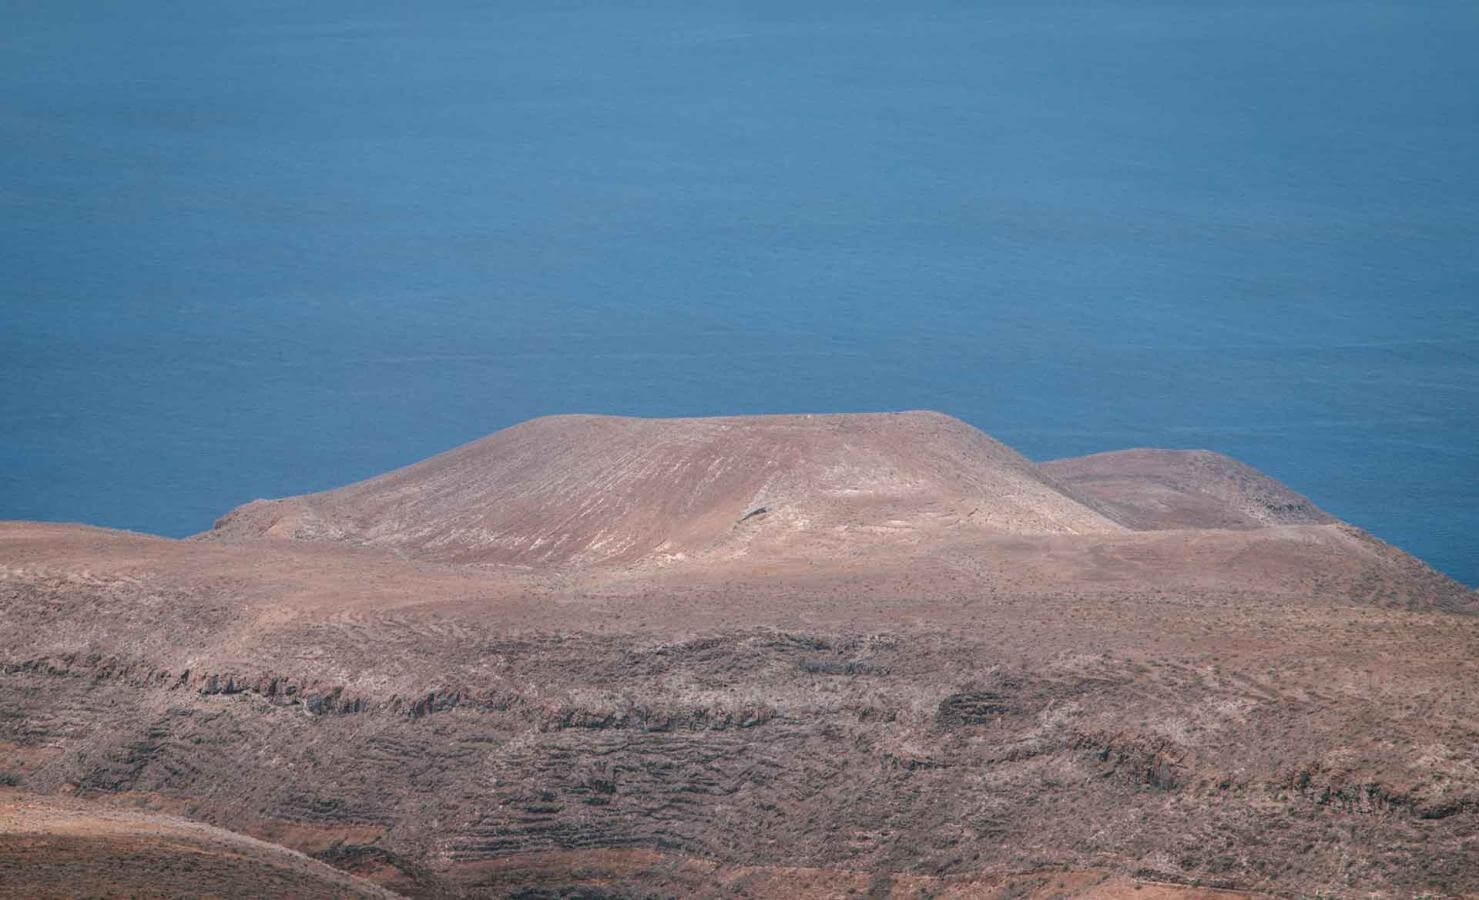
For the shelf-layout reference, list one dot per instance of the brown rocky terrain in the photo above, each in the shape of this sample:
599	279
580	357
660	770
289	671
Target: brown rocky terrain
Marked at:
1170	489
786	656
60	847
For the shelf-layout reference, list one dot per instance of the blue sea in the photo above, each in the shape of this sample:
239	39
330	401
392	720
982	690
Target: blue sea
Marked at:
262	247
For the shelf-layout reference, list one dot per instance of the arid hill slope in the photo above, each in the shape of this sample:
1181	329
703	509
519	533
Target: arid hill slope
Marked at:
63	848
931	668
572	490
600	500
1163	489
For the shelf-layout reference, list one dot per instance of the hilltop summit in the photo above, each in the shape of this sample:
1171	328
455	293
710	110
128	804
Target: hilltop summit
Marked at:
572	490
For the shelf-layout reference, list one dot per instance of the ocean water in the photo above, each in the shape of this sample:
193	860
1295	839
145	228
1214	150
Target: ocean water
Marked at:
264	247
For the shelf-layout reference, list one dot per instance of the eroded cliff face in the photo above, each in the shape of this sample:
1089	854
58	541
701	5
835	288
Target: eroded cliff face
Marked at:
903	699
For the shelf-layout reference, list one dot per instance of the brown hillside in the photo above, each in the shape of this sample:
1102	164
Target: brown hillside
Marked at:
572	490
1159	489
62	848
930	668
